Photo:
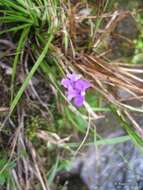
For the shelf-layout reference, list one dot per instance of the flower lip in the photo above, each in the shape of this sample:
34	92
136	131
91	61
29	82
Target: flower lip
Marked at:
79	100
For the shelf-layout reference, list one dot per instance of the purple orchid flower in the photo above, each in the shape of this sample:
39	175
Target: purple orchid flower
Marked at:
76	88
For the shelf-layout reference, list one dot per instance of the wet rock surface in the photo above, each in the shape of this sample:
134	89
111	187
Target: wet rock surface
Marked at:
114	167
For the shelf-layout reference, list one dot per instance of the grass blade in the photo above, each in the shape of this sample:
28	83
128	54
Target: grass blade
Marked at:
28	78
18	51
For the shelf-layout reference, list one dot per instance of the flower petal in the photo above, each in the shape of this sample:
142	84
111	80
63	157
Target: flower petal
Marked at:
82	85
71	93
78	101
66	83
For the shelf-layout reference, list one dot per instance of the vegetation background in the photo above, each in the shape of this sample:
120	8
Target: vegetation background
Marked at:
41	132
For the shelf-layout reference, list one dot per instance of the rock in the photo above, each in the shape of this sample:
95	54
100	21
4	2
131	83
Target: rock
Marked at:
122	37
114	167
